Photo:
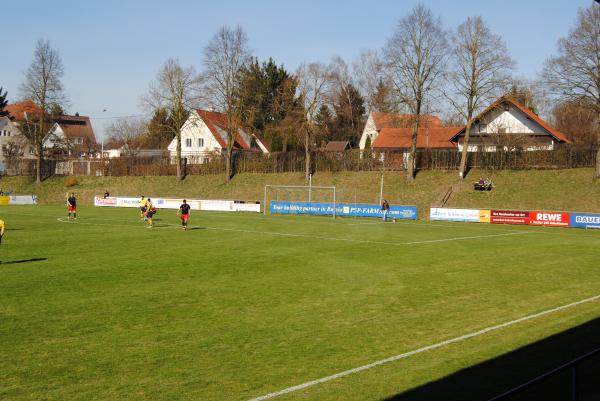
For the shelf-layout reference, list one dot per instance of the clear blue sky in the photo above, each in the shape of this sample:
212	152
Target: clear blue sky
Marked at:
112	49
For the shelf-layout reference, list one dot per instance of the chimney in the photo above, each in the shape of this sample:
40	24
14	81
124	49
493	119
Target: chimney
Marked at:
77	114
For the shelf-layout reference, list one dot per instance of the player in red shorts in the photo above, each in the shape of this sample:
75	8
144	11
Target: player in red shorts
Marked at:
184	214
72	206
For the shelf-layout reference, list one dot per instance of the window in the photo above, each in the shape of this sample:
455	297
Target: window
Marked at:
31	151
483	128
200	142
502	130
205	160
188	142
78	141
505	106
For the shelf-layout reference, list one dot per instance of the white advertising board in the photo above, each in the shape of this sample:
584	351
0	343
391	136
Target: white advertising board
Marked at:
18	200
471	215
171	203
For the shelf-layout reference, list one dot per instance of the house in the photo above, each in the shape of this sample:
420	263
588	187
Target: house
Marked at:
73	135
204	135
378	121
11	141
436	137
511	125
125	151
337	146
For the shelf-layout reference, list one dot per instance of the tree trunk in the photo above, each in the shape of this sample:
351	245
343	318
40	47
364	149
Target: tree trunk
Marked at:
229	167
463	156
307	155
410	168
178	157
597	175
38	168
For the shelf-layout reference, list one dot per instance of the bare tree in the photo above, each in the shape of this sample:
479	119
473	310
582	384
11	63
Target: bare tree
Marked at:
370	76
479	73
415	56
177	90
128	133
42	84
314	84
224	57
574	74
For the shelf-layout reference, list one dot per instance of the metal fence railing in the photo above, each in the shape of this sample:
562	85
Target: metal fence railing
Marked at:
572	367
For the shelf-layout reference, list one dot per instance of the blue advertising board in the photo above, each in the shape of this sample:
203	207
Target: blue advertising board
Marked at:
584	220
342	209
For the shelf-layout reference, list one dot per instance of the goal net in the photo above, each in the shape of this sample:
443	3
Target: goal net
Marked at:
299	199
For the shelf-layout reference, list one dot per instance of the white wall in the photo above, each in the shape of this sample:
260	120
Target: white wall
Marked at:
370	130
513	120
194	129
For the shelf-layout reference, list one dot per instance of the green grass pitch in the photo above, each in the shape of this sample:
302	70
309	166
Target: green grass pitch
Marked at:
243	305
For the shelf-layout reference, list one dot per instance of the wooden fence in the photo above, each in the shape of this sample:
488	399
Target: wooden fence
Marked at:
354	160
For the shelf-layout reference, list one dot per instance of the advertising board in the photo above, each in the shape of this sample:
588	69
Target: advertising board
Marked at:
342	209
446	214
550	219
484	216
509	217
584	220
172	203
18	200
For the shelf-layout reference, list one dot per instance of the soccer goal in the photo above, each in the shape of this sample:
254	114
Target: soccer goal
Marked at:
322	198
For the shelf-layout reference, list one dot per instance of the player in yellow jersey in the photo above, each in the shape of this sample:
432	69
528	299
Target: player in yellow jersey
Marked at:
143	204
1	230
150	212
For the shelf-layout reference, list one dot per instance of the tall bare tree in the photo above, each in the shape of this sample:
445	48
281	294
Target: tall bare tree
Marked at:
479	73
574	74
415	56
177	90
370	76
314	89
42	84
224	57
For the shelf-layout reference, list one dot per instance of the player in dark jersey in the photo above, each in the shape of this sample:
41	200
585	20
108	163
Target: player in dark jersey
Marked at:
72	206
184	214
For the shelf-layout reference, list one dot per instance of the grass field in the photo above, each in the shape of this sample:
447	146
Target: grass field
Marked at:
243	305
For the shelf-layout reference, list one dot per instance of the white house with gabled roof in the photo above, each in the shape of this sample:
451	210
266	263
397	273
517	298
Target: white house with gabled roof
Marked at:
204	135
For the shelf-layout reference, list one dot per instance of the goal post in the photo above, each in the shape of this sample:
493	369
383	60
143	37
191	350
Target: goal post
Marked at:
301	194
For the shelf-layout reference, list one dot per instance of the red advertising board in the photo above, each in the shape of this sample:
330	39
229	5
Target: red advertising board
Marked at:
99	201
509	217
551	219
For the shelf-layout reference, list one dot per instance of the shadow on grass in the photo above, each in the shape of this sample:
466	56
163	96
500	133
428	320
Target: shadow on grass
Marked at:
23	261
496	376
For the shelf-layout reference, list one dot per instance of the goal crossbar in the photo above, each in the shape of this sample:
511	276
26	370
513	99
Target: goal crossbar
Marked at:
307	187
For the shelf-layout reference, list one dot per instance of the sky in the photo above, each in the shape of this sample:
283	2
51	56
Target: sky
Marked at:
113	49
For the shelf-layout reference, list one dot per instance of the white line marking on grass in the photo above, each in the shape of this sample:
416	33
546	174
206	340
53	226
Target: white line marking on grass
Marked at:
274	233
421	350
360	241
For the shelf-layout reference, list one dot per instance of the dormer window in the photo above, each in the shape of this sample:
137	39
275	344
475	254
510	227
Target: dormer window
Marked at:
483	128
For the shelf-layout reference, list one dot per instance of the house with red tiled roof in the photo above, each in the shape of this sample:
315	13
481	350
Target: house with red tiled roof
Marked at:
509	124
204	135
436	137
376	122
73	135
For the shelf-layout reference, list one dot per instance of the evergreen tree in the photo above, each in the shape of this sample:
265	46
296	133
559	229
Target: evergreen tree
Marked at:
382	100
265	96
325	123
159	136
3	103
349	107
